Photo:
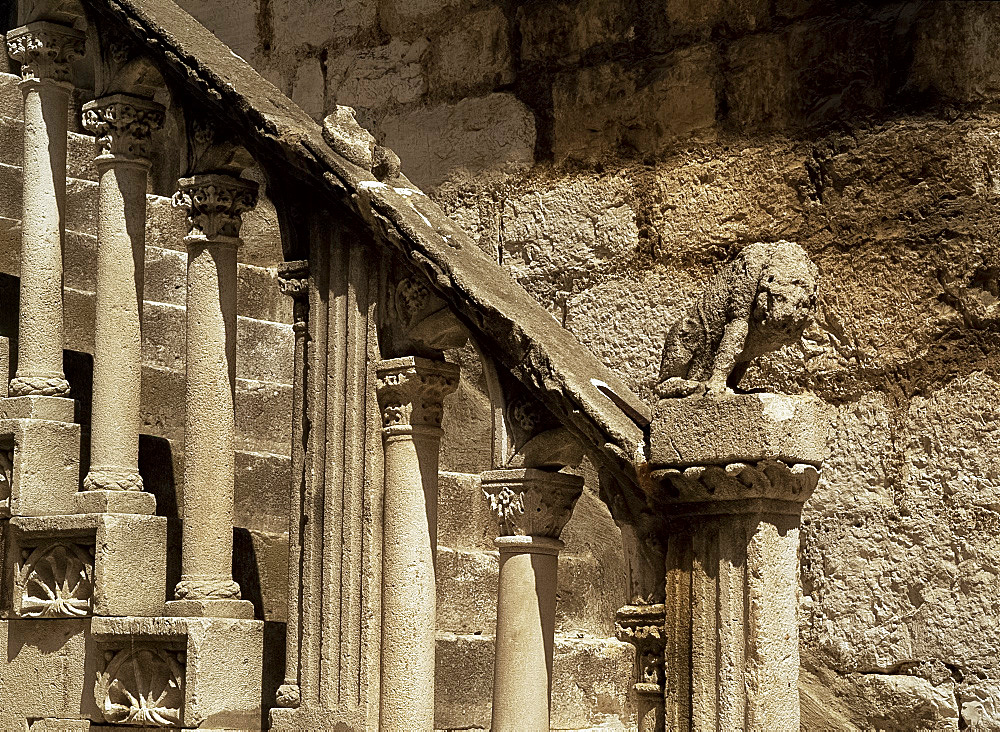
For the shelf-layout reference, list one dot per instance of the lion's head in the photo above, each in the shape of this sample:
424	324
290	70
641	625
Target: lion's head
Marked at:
786	298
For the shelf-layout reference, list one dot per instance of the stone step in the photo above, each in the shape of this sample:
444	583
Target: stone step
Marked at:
467	594
591	685
258	295
80	149
165	223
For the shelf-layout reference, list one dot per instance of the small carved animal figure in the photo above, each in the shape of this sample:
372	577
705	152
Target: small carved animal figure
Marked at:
761	301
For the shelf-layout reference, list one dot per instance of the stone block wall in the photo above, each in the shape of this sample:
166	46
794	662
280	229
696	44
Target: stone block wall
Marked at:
613	153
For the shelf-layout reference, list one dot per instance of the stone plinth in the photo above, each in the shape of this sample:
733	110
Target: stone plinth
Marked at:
85	564
39	456
179	672
740	468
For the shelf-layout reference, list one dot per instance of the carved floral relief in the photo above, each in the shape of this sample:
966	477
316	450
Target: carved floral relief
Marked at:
143	685
57	580
6	475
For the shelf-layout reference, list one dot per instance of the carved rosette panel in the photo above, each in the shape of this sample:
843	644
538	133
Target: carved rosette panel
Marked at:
530	502
768	479
56	581
411	392
215	204
45	50
142	685
123	125
6	474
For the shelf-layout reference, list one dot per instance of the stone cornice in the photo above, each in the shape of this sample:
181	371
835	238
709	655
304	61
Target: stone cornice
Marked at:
45	50
124	125
411	392
215	204
530	502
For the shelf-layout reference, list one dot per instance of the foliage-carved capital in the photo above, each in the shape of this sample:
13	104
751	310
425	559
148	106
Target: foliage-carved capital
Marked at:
411	392
530	502
45	50
124	125
215	204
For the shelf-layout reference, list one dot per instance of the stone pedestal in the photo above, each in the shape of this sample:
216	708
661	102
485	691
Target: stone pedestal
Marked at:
531	507
730	476
215	205
39	456
45	51
85	564
123	125
410	394
179	672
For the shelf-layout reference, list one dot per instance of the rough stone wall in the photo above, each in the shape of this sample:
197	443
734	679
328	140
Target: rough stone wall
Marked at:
614	153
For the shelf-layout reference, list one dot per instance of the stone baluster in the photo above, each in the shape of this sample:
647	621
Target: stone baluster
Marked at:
410	394
531	506
730	477
45	51
215	204
293	279
123	125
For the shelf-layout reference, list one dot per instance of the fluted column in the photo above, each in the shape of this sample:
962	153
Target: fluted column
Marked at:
531	507
410	394
215	204
293	279
45	51
123	126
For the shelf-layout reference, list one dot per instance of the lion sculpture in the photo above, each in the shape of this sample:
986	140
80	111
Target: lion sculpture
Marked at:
763	300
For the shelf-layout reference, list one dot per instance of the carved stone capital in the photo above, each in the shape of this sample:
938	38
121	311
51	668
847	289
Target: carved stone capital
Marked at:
411	392
423	319
124	125
215	204
293	278
771	486
530	502
45	50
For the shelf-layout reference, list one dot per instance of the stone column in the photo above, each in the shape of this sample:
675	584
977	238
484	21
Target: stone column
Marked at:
410	394
642	626
294	281
123	125
531	507
215	204
740	469
45	51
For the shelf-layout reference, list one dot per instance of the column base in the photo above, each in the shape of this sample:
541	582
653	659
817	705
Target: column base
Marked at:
133	502
207	670
211	608
39	456
85	564
43	386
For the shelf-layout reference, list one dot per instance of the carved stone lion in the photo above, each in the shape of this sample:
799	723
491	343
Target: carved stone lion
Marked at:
761	301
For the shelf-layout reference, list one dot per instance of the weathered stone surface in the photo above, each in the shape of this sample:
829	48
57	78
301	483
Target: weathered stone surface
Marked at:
952	51
473	54
602	109
408	17
560	32
372	79
318	23
308	86
495	131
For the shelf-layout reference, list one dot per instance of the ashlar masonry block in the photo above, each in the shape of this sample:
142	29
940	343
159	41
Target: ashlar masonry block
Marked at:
39	456
179	672
84	564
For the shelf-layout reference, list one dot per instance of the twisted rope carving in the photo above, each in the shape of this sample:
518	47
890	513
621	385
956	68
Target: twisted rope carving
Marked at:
207	589
38	386
109	479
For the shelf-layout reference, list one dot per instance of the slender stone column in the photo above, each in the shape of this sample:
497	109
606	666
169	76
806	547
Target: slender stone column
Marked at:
410	394
215	204
642	626
741	467
531	506
45	51
123	125
294	281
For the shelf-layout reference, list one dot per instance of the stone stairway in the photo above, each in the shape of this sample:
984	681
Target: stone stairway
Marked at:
593	671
